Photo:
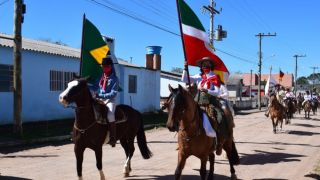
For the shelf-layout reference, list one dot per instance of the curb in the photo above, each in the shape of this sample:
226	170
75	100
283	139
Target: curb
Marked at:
33	141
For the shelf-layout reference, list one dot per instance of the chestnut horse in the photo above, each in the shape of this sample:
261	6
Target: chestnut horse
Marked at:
88	133
307	108
277	112
185	116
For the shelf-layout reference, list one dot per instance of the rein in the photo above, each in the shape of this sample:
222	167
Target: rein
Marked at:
198	131
82	130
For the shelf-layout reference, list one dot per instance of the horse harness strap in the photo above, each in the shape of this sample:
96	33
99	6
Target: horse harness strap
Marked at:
82	131
197	133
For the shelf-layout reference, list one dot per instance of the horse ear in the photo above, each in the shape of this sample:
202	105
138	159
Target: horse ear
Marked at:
75	76
170	88
87	78
180	88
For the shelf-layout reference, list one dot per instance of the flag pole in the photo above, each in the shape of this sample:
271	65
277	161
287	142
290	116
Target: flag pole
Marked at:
82	42
184	50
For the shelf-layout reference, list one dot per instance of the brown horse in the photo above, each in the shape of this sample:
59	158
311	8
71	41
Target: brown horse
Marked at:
277	113
185	116
290	109
88	133
307	108
299	104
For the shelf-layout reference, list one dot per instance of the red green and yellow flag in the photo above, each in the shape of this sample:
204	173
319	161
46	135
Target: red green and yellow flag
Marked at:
196	41
93	50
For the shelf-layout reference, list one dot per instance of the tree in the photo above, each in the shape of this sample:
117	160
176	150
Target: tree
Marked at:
177	70
302	81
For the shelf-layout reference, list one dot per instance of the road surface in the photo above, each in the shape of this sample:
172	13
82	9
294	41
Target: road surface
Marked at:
290	154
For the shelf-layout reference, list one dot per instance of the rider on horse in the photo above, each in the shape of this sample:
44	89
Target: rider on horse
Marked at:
307	97
108	89
278	92
209	86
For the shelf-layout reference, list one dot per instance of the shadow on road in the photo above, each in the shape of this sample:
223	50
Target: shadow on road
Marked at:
170	177
264	157
12	178
302	133
314	176
8	150
276	143
305	125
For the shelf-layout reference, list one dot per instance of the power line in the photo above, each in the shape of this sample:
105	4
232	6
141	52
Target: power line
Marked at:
133	17
5	1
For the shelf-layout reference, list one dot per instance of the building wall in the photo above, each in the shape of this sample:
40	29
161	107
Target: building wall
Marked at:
38	102
165	81
147	97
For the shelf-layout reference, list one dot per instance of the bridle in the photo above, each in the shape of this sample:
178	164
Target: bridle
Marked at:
198	131
81	130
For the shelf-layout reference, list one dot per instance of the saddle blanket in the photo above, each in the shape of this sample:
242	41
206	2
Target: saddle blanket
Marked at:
207	126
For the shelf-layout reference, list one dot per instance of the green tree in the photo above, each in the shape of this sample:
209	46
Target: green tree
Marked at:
302	81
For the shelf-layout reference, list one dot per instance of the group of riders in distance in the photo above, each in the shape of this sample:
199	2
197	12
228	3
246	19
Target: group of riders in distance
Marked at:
200	113
307	101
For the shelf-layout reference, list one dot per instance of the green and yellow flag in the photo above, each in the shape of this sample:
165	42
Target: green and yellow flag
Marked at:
93	50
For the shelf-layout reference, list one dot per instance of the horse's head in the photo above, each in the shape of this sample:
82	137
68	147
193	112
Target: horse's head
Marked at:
74	92
273	99
180	106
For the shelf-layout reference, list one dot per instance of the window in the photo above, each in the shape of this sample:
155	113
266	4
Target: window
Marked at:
132	84
6	78
59	80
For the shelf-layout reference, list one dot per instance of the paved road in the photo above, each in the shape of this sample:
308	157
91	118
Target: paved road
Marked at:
291	154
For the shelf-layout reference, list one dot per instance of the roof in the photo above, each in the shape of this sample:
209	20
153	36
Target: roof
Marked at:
41	46
287	79
234	79
126	63
172	75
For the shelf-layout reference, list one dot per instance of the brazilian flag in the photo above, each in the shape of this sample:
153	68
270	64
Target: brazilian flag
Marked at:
93	50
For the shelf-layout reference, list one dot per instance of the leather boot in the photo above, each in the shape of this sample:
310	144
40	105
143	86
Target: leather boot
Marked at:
219	145
113	134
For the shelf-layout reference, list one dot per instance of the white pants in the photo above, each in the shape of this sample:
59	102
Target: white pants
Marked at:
111	106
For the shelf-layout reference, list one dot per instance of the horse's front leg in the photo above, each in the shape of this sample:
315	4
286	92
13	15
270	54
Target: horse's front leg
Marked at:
203	167
273	125
98	153
79	156
181	163
211	170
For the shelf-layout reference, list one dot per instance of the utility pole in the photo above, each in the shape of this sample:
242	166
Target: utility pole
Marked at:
251	85
19	10
296	73
220	33
260	35
313	74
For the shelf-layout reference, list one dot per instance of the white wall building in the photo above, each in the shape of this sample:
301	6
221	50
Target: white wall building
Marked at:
174	79
46	69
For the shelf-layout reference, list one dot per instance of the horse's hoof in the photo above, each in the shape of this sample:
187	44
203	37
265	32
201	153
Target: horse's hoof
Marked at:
233	176
125	174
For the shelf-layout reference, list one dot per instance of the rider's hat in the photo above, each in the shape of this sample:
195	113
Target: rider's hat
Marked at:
205	59
107	61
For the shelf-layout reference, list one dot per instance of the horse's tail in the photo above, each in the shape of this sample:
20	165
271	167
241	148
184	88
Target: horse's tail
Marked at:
142	142
234	159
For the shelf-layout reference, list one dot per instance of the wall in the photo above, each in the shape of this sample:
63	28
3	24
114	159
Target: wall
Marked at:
164	82
147	98
38	102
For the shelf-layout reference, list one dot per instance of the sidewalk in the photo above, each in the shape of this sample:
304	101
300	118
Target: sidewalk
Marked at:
7	142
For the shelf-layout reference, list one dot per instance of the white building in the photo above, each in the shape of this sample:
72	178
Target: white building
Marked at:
47	68
174	79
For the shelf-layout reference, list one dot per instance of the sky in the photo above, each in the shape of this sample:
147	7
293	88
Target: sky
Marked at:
296	24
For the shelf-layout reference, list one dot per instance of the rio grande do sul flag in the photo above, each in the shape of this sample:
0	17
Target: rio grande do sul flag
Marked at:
93	50
196	41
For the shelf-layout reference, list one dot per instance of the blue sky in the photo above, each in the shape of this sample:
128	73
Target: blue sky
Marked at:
295	22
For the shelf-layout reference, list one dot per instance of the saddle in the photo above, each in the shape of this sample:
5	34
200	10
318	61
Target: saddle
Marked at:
101	113
219	118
